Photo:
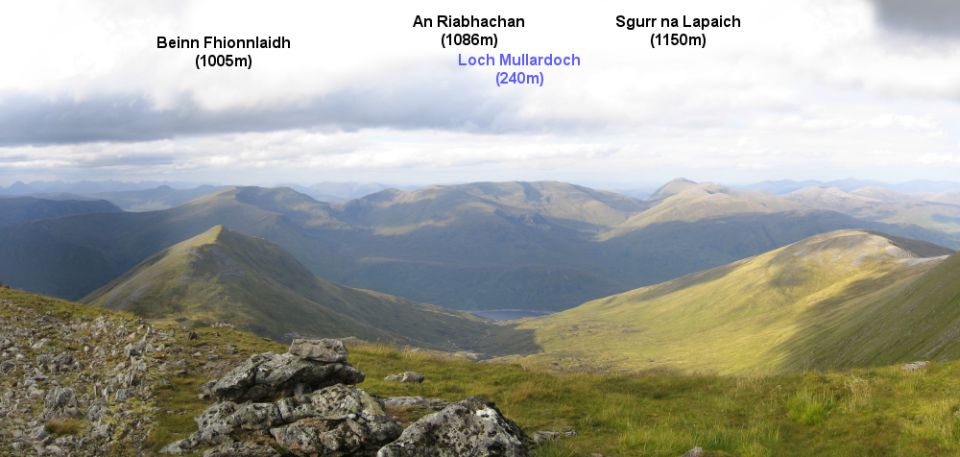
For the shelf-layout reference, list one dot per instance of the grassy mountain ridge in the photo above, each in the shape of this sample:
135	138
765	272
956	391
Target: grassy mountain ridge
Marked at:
790	309
686	201
222	275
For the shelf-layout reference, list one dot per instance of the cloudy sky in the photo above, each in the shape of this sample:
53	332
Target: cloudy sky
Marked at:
820	89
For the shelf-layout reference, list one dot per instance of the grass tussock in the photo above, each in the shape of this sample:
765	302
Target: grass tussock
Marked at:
65	426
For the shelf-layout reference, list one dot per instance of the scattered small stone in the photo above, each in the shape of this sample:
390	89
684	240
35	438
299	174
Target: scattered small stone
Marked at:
546	436
695	452
407	376
914	366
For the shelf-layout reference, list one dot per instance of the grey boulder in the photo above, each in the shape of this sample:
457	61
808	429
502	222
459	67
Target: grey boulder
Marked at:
268	376
471	427
325	350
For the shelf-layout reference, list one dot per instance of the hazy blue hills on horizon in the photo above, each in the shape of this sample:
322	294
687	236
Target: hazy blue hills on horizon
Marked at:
155	195
19	210
512	245
785	186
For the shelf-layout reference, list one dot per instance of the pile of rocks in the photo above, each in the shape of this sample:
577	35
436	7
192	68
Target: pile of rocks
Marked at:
304	403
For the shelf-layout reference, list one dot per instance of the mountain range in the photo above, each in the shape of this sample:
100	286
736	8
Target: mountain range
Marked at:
513	245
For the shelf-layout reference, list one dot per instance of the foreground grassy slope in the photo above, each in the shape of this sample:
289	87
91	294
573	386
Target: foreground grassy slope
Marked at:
820	303
864	412
221	275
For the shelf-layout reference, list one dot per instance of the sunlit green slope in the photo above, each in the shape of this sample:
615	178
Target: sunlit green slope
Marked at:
834	300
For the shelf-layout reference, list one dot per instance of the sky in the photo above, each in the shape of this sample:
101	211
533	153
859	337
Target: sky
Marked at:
807	89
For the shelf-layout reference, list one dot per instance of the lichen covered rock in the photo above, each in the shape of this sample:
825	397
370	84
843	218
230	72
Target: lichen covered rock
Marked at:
469	427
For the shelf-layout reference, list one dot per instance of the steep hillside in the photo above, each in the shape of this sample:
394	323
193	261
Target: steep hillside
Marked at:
224	276
18	210
820	303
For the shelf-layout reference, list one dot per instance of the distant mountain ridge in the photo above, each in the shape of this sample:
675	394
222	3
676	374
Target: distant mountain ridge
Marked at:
19	210
786	186
884	205
511	245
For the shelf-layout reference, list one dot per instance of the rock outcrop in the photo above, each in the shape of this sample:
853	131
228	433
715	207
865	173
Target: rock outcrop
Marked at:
304	403
269	376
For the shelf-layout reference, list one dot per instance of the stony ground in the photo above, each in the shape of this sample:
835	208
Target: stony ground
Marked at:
85	383
80	381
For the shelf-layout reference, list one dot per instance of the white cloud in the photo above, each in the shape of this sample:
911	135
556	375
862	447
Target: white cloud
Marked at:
803	87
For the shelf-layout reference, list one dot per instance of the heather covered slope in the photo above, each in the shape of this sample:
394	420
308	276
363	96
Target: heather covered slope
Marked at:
846	298
224	276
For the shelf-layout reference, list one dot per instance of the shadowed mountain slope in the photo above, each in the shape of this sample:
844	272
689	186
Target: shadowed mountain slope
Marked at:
221	275
19	210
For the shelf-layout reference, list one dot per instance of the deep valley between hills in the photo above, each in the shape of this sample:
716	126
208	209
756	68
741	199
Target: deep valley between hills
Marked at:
703	319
